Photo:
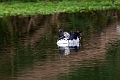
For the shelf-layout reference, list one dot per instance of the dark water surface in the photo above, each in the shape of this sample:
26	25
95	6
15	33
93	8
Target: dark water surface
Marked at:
37	57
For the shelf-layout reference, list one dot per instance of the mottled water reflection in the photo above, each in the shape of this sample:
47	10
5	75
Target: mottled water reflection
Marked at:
36	56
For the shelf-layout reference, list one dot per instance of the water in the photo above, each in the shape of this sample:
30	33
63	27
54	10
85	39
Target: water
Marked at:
36	56
94	62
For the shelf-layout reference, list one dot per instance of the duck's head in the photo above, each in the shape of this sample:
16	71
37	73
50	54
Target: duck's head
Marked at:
60	30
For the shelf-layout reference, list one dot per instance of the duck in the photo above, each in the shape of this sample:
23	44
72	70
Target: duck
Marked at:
71	39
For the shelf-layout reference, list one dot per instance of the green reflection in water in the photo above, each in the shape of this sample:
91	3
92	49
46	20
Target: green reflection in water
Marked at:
113	57
21	57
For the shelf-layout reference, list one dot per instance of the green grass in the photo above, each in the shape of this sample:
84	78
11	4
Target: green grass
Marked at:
44	8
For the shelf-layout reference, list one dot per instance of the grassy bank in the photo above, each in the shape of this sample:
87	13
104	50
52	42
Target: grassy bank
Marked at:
32	8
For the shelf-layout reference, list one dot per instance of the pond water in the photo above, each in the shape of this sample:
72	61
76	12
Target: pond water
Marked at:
35	56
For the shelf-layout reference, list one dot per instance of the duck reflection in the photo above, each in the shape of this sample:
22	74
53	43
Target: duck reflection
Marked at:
64	51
